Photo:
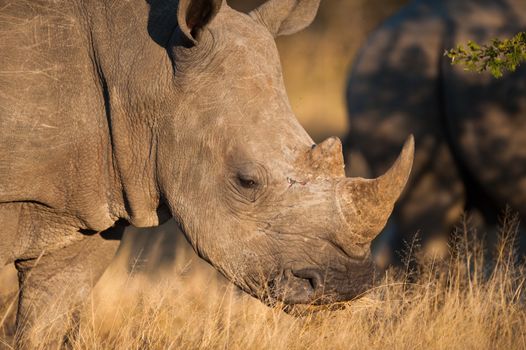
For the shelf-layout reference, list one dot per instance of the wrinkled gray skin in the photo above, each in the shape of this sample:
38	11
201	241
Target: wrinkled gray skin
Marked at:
469	128
115	113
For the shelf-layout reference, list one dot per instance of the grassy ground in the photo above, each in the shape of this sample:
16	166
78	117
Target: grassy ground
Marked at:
463	302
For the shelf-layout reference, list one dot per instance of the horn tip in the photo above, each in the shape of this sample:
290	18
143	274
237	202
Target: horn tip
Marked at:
401	169
408	152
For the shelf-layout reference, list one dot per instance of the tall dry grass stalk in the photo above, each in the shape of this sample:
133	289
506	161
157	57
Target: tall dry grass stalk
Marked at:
471	300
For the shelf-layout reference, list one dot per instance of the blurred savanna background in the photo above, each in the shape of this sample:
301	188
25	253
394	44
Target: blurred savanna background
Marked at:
316	62
159	295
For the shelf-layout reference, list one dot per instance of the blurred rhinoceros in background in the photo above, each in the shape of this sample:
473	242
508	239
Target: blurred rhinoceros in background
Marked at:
470	129
116	113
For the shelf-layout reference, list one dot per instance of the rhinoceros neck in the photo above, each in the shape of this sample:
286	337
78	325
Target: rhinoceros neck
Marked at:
135	74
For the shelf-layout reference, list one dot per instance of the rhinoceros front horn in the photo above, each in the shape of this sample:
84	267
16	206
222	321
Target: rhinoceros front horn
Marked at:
366	204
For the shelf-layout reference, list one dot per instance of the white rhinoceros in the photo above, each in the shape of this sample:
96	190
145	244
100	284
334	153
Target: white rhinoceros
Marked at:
132	112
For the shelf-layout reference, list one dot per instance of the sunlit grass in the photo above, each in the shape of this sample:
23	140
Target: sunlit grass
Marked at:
470	300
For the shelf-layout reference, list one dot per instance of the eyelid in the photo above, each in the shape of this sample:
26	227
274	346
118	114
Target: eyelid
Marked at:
247	182
249	171
249	175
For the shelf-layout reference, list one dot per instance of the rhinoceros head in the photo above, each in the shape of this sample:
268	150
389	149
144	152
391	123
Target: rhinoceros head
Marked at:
254	195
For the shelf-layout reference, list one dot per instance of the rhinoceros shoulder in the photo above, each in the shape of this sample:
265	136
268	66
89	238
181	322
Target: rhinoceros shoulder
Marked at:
53	133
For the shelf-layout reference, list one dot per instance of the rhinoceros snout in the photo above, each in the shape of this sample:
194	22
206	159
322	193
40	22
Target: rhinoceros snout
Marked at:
296	287
316	286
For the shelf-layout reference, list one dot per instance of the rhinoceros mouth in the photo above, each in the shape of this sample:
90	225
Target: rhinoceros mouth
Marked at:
313	287
295	287
301	287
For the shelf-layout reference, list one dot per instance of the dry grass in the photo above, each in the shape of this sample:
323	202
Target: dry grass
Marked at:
464	302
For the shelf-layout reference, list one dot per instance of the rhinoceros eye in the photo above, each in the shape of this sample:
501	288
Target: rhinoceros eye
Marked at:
247	182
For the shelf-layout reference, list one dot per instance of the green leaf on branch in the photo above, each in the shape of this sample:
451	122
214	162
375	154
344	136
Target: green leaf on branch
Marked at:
497	57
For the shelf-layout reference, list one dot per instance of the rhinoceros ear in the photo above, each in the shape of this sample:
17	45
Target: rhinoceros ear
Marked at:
194	15
284	17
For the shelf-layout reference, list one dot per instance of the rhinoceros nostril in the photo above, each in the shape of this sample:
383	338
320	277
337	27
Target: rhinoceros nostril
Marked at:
296	286
312	276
